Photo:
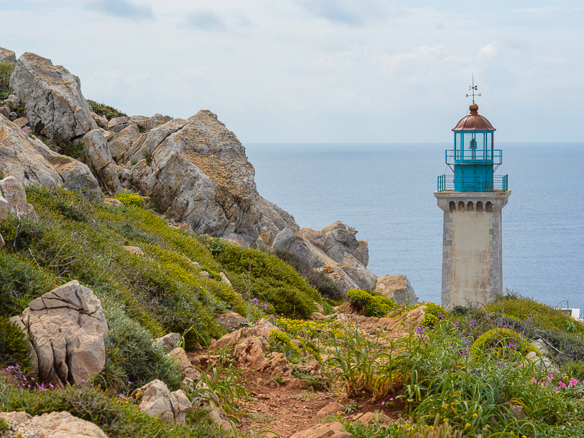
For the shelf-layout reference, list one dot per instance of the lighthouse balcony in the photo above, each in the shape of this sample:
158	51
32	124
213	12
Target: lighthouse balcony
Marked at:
497	183
474	156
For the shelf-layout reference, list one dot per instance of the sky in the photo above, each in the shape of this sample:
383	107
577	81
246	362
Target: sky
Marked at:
330	71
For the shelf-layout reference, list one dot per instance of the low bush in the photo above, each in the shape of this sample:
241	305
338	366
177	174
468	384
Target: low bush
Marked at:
105	110
14	347
131	199
6	69
118	419
266	277
280	342
371	304
542	315
500	342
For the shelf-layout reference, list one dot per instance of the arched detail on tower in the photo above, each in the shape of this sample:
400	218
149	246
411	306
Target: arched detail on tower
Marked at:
489	207
452	206
479	206
470	206
461	206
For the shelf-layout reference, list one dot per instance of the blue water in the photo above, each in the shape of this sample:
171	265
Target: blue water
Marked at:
386	191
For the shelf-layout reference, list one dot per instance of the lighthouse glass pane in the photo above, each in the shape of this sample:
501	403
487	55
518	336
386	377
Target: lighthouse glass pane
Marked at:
469	146
458	145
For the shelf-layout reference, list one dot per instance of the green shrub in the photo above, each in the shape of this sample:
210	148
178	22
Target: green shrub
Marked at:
131	356
131	199
541	314
116	418
279	341
371	304
434	313
318	280
266	277
311	348
14	347
501	342
105	110
6	69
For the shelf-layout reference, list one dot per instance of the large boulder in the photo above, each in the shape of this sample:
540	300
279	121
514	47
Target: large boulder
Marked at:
148	123
30	161
51	97
398	288
120	142
99	155
14	199
338	239
196	171
292	241
68	329
7	56
156	400
52	425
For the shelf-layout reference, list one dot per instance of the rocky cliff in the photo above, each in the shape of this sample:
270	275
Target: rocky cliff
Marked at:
195	170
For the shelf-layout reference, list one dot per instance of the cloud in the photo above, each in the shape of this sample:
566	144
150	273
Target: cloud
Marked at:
206	20
121	8
351	12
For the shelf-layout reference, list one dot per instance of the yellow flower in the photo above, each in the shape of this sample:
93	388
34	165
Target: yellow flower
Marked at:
467	425
475	415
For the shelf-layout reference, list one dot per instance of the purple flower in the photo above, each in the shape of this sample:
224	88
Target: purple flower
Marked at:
473	323
440	316
456	324
420	330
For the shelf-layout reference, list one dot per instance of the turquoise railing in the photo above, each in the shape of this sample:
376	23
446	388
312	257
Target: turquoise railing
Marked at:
499	183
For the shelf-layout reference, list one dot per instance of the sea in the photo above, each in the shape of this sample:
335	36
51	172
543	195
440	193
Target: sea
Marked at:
386	192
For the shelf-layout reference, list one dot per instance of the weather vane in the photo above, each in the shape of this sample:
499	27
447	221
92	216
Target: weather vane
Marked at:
473	88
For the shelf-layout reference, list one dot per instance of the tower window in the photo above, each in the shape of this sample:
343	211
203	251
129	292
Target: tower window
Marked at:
470	206
489	207
452	206
479	206
461	206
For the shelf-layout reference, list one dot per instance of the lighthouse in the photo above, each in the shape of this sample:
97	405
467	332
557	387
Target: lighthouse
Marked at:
472	198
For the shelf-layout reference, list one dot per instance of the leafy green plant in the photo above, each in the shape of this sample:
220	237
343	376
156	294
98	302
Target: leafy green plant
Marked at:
14	347
369	303
6	70
131	199
352	407
105	110
280	342
501	342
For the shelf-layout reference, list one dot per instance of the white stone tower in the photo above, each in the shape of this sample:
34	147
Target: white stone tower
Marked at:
472	199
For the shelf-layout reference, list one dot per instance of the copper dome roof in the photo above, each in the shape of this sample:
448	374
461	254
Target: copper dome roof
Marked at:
474	121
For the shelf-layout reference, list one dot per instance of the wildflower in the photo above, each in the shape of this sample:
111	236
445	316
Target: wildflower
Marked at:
573	382
473	323
456	324
475	415
467	425
382	403
562	384
551	376
440	316
534	380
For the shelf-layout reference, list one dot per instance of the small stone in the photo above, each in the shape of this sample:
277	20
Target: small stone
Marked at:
331	408
374	417
112	202
317	316
21	122
134	250
168	342
318	431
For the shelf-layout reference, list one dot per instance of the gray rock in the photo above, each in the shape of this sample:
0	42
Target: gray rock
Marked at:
168	342
338	239
122	141
97	151
362	276
148	123
52	97
188	372
291	241
68	329
21	122
53	425
7	56
118	124
5	111
398	288
156	400
101	121
14	198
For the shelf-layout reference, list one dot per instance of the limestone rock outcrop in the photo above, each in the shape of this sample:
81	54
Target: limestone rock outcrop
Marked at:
31	162
52	425
68	329
168	342
197	172
99	155
156	400
51	97
334	250
7	56
398	288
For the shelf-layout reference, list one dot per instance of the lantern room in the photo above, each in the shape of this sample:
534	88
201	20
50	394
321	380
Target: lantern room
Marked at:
474	158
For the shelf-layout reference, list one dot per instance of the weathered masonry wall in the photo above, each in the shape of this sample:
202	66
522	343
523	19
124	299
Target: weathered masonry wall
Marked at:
472	255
